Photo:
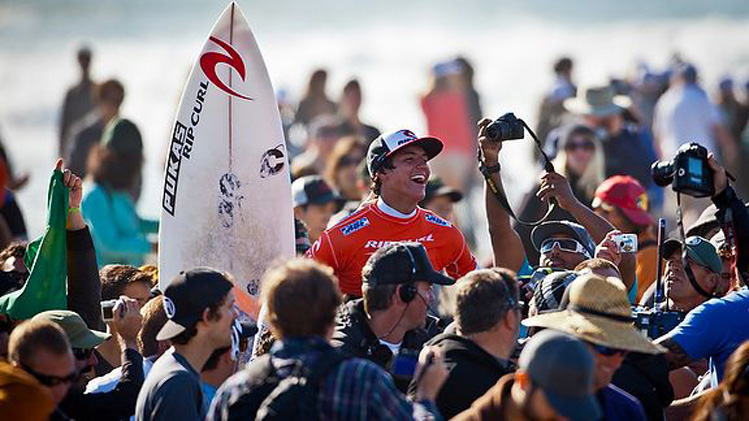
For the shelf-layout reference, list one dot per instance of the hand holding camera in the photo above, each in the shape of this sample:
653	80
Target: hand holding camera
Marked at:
126	321
555	185
608	248
488	149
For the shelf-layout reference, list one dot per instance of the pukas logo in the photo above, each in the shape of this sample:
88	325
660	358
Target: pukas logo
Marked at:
211	59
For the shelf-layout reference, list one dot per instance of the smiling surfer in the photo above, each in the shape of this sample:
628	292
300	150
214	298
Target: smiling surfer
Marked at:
398	165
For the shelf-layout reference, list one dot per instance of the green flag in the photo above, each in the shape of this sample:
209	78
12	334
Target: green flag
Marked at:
46	258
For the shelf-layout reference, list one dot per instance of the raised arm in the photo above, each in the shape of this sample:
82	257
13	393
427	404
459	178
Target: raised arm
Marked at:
506	244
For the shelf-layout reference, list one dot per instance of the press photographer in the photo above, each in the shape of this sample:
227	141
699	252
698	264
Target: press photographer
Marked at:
715	328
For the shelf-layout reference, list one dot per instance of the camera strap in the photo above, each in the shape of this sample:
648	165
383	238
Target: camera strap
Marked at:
499	194
684	261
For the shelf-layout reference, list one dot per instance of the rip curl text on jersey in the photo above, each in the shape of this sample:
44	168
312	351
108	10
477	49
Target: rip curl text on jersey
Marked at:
346	247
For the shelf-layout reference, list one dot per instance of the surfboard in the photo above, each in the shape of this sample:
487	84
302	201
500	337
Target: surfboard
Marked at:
226	199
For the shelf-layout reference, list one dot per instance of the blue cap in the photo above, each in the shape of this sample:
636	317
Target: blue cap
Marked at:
564	369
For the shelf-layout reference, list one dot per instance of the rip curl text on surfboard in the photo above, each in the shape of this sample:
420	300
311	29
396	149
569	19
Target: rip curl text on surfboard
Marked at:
183	139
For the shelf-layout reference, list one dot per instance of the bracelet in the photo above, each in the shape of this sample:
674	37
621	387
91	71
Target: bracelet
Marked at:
489	170
74	210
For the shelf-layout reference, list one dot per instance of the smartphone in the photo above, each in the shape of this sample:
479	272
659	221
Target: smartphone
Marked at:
107	310
625	243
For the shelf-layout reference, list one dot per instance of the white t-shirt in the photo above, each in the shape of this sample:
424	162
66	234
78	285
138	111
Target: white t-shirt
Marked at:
684	114
394	348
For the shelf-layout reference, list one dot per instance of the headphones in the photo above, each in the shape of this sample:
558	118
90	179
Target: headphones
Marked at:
408	291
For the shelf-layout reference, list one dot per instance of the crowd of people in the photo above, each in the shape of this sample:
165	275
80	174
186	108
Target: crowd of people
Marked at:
387	313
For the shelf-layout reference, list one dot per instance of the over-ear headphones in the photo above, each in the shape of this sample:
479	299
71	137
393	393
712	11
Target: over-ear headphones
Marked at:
407	291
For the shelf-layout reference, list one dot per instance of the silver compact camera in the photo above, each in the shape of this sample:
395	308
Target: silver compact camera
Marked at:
625	243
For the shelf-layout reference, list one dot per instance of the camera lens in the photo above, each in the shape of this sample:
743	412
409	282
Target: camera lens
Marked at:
662	172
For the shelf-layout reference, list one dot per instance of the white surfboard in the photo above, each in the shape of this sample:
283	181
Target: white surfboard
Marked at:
226	199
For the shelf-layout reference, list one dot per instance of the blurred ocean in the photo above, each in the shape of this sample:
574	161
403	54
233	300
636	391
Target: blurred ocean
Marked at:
389	45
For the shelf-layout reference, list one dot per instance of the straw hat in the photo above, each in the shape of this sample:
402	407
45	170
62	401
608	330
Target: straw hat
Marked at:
598	312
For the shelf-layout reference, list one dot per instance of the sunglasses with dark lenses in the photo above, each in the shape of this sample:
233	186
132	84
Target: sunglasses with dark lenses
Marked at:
607	351
50	381
564	244
82	354
585	145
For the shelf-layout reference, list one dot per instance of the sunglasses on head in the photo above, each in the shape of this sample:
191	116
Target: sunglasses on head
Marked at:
607	351
50	381
586	145
82	354
564	244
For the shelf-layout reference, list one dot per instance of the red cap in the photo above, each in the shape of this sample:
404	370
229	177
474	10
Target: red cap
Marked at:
627	194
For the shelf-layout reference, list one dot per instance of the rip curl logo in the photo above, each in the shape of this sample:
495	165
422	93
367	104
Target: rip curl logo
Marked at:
169	308
211	59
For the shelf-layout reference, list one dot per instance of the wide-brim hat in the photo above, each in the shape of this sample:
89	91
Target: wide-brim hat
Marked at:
598	312
598	101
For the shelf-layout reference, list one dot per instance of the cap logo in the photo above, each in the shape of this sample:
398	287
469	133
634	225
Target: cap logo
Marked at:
642	201
694	241
169	307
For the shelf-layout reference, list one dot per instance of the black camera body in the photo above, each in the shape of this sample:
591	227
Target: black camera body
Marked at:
688	172
654	323
507	127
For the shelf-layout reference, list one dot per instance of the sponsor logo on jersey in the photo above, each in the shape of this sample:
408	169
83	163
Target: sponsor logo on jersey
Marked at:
434	219
355	226
376	244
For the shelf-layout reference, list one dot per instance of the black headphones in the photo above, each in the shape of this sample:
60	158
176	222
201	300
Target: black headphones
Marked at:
408	291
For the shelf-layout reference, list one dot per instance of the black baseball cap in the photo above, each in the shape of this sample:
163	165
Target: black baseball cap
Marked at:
401	263
313	189
437	188
188	295
389	143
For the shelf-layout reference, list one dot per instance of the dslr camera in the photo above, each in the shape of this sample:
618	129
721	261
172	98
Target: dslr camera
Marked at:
655	324
688	172
507	127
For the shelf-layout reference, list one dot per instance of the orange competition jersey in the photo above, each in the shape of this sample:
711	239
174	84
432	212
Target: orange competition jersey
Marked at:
346	246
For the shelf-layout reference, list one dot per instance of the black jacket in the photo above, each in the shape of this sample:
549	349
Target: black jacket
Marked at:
472	371
646	378
354	337
114	405
739	222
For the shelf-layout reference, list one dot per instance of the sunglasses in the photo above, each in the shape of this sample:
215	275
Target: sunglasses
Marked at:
82	354
607	351
51	381
564	244
586	146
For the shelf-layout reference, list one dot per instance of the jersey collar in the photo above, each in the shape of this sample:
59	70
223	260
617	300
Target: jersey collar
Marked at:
388	210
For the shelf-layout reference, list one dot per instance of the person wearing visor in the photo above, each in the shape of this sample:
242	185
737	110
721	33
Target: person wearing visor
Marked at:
398	164
390	325
199	305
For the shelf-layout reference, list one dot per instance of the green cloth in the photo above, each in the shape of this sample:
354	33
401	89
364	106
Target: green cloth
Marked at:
46	258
